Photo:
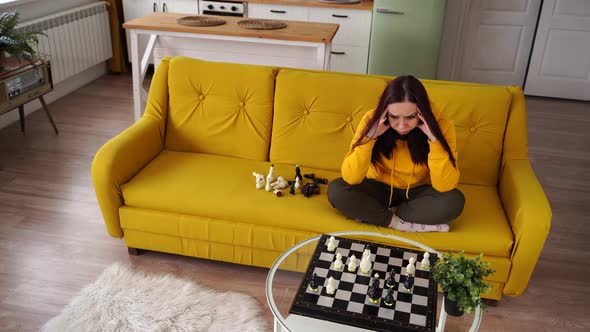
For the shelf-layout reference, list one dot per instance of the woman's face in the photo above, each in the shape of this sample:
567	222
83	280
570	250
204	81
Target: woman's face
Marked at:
402	117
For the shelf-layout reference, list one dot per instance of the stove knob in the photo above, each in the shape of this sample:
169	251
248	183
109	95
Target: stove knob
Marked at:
210	7
234	8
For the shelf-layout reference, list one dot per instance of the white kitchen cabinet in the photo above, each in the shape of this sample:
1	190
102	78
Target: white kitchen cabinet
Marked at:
278	12
138	8
350	46
355	25
180	6
349	59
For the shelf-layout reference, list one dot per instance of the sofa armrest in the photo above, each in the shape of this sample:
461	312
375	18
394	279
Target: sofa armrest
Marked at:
529	214
118	161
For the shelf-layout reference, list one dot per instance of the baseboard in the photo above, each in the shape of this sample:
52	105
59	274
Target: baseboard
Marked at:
71	84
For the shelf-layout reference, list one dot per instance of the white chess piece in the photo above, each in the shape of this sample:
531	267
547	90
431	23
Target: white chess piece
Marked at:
352	263
271	173
411	268
280	183
297	183
259	180
366	253
425	263
331	286
338	262
366	263
331	243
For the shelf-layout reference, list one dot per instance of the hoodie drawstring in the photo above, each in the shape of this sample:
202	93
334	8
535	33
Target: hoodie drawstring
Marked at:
410	181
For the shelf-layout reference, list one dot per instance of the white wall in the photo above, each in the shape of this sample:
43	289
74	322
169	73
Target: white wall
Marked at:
33	9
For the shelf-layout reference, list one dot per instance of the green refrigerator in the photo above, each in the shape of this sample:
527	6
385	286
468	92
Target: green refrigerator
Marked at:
405	37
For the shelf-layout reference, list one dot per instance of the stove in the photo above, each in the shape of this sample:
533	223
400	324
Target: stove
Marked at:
222	8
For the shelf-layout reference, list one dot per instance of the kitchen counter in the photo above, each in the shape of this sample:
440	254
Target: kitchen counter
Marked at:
363	5
295	30
299	45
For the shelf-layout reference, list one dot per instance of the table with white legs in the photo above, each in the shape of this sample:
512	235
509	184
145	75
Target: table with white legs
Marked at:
304	45
282	284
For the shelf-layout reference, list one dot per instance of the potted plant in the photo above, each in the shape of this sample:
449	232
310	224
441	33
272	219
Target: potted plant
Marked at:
461	280
18	44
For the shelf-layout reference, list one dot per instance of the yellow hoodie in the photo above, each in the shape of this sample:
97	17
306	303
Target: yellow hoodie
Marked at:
399	171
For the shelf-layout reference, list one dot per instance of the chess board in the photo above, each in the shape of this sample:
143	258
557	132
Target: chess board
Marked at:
412	311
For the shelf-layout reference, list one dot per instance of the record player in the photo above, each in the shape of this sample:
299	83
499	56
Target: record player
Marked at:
21	82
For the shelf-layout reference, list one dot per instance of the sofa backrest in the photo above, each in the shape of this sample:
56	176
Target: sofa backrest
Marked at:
316	114
219	108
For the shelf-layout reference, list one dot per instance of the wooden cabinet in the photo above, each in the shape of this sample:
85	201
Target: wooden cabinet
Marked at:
350	46
138	8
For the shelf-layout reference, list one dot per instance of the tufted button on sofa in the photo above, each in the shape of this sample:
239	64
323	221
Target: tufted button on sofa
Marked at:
180	179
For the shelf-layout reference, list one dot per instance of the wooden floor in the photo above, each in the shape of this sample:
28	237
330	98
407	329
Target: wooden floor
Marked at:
53	241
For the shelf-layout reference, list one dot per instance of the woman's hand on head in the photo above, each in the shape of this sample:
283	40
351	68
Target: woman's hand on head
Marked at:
425	128
378	127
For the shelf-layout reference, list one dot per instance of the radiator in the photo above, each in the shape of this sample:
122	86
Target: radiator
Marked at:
77	39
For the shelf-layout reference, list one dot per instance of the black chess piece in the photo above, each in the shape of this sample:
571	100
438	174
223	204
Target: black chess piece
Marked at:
374	290
409	283
298	173
390	282
313	283
292	187
389	300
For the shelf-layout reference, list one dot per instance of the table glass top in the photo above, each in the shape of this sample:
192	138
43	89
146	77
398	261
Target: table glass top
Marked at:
287	278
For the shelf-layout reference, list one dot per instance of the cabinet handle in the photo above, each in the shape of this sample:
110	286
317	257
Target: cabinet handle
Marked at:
165	8
389	11
338	53
340	16
278	11
155	7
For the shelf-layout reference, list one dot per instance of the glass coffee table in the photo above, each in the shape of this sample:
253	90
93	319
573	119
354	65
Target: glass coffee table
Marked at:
298	307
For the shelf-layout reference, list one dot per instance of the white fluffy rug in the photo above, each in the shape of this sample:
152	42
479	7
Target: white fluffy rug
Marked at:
124	299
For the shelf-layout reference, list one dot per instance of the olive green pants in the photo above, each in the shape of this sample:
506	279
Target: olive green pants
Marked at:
368	202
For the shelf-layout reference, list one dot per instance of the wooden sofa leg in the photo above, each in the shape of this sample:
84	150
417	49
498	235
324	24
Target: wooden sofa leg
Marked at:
134	251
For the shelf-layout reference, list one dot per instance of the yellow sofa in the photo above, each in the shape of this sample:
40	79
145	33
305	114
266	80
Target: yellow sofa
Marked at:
180	179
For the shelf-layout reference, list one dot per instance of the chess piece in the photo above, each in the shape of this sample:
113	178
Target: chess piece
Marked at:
331	286
278	192
390	283
425	263
374	290
352	264
270	177
313	282
298	173
259	180
366	263
280	183
409	283
411	268
331	243
338	262
389	300
297	183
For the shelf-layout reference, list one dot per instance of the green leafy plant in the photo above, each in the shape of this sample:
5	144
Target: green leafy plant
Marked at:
18	44
461	279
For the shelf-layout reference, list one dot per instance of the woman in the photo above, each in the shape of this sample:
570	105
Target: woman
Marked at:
401	170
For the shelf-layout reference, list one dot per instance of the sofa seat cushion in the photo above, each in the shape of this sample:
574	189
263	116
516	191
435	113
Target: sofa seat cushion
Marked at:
223	188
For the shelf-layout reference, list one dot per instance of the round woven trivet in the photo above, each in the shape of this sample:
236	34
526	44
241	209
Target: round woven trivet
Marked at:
262	24
200	21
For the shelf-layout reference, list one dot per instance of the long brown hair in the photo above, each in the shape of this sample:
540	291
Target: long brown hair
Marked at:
405	89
